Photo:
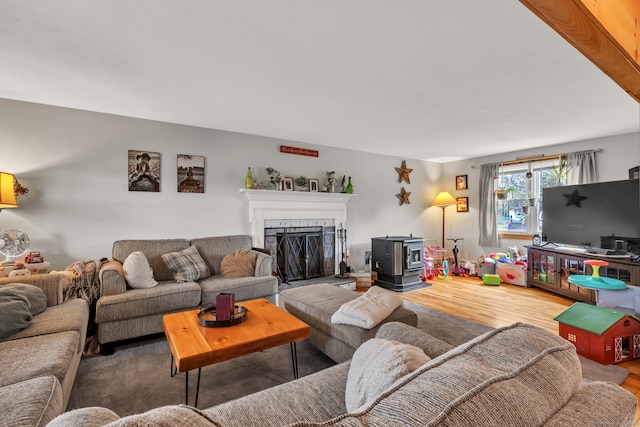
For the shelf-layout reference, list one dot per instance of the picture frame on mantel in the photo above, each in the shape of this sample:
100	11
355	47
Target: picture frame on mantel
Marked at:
287	183
313	185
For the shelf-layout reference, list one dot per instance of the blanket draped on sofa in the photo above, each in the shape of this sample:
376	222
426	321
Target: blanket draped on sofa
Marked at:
85	284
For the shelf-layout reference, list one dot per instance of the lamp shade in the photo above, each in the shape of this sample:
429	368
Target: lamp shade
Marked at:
444	199
7	194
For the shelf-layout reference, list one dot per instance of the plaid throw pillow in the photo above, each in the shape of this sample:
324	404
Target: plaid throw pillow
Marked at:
187	265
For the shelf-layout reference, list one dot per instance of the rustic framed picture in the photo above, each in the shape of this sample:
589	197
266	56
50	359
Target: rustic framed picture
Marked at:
143	171
190	174
287	182
462	204
313	185
461	182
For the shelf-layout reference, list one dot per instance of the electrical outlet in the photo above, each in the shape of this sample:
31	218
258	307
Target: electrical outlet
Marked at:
367	257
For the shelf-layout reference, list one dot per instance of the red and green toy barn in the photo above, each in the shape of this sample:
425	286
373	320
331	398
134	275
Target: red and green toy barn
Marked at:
601	334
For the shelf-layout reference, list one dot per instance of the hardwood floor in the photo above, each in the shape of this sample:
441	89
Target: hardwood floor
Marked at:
503	305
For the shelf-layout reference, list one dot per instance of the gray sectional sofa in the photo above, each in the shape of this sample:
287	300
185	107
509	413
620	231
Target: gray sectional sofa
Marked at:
124	313
39	363
519	375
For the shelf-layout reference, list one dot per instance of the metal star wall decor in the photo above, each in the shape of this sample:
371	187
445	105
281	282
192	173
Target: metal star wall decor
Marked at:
403	196
403	172
574	199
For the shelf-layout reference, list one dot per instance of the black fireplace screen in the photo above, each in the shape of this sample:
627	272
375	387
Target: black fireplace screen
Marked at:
302	252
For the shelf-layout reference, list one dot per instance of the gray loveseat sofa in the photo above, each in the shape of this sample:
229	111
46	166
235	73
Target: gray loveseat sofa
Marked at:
519	375
124	313
39	363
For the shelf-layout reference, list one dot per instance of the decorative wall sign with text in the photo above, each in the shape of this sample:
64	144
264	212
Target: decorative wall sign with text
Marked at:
298	151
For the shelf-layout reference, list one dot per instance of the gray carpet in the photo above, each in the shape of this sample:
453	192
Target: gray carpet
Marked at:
137	378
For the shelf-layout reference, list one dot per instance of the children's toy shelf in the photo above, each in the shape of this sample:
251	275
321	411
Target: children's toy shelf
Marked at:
550	268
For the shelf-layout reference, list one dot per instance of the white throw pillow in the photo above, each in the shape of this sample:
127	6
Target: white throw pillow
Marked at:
376	365
138	272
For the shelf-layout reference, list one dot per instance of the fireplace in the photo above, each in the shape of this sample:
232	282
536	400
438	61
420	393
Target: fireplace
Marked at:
398	260
298	211
301	252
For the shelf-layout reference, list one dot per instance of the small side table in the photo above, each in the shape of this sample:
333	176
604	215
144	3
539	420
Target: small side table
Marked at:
35	268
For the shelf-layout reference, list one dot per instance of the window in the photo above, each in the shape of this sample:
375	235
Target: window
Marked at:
520	204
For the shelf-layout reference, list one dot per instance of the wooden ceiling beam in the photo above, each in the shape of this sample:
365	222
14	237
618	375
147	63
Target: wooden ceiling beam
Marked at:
607	32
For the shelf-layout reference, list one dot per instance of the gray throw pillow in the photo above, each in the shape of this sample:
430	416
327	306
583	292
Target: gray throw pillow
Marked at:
186	265
35	295
14	312
376	365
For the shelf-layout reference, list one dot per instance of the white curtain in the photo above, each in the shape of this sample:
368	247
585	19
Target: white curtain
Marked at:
488	207
581	168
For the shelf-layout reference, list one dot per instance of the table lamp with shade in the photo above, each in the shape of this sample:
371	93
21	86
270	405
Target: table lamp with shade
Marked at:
7	192
443	200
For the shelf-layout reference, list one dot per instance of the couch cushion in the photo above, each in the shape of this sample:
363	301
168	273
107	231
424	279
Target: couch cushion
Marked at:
71	315
92	416
37	356
518	375
375	366
176	415
168	296
153	250
244	288
33	402
35	295
137	271
214	249
241	263
315	304
187	265
315	397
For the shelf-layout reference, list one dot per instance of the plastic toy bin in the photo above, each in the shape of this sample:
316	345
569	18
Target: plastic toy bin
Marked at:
435	252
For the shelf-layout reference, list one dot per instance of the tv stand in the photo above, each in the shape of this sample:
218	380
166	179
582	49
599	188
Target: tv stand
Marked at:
549	268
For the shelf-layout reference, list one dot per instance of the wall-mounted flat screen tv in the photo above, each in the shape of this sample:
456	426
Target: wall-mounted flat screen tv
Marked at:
581	214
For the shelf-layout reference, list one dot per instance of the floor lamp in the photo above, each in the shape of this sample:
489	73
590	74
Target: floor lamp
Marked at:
443	200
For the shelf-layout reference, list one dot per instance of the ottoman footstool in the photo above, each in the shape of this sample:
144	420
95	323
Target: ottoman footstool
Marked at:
314	305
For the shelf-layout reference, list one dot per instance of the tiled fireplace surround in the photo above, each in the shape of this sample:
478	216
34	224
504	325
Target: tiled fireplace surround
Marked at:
270	208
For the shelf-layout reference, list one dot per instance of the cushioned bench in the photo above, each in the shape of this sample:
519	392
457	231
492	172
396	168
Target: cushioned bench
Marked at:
314	305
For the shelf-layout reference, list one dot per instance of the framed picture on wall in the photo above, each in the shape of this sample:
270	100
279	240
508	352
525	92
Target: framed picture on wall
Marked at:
287	182
144	171
462	204
461	182
190	174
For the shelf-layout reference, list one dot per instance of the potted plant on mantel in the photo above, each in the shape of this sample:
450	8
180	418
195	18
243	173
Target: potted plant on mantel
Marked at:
275	178
301	182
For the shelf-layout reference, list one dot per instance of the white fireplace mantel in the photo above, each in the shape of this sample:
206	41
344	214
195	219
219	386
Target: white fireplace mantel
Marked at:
293	205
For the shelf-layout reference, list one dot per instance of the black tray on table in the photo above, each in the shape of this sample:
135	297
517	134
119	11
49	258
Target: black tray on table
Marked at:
207	317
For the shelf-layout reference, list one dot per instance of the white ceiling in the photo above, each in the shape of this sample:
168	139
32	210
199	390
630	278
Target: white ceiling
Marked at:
423	79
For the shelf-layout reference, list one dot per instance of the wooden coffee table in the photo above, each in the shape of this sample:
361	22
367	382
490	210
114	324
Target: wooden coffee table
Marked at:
194	346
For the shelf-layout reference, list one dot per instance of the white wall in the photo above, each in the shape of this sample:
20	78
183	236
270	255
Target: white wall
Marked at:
620	153
75	165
